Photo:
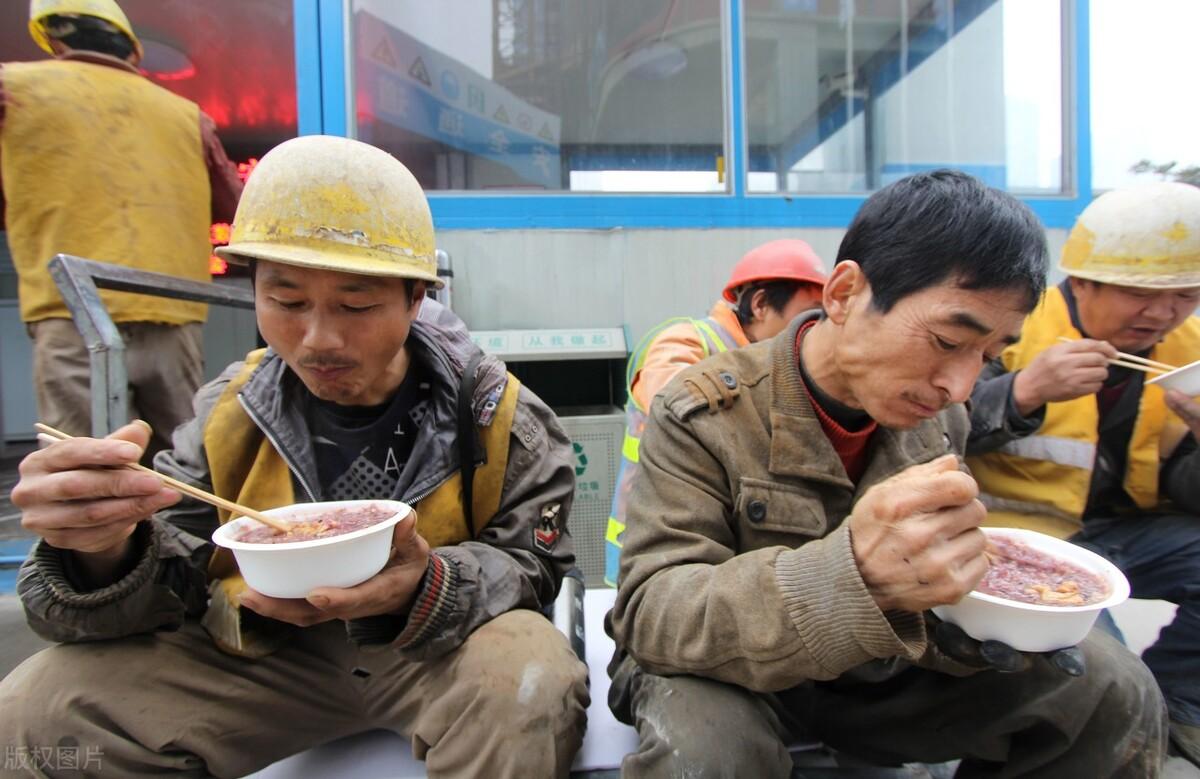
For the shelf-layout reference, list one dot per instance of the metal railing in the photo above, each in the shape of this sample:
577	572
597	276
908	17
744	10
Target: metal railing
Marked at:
79	282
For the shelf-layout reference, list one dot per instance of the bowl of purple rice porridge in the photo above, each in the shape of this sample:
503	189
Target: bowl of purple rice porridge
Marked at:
330	544
1040	593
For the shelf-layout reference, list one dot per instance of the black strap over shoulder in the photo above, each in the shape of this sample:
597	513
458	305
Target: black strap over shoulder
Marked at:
467	440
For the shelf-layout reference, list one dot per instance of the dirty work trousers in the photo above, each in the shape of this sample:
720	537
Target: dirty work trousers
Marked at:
164	365
509	702
1160	555
1109	723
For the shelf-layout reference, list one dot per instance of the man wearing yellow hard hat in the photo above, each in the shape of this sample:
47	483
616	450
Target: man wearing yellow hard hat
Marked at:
355	397
103	164
1067	443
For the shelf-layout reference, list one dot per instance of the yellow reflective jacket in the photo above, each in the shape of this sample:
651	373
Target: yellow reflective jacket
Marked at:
245	465
1042	481
101	163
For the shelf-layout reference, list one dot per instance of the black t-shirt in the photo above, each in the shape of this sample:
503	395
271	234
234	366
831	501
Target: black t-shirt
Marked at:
362	450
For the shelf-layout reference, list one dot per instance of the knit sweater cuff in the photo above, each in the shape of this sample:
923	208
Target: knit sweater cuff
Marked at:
836	617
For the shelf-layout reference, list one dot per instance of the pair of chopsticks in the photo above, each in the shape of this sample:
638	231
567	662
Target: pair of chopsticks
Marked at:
1134	362
187	489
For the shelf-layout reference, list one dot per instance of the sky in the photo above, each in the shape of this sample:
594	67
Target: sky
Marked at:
1145	103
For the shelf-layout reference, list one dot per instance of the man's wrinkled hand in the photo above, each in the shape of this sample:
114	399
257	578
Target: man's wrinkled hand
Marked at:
1187	409
953	642
916	537
76	495
1064	371
391	591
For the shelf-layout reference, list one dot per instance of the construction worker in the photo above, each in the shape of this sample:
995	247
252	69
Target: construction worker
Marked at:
767	288
1067	444
355	397
102	164
799	509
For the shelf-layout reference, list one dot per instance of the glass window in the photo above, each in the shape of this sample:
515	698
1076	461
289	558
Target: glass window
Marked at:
846	96
235	58
1143	104
585	95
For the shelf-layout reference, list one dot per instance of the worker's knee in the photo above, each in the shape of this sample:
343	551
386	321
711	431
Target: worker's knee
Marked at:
688	726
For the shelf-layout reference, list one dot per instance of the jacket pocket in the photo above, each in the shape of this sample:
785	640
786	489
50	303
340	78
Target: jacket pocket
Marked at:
766	506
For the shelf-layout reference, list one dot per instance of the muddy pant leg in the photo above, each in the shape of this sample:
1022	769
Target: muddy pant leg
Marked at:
62	372
689	726
166	366
172	703
1041	723
510	702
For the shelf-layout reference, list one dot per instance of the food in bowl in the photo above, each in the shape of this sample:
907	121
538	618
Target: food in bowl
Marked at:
1039	626
1021	573
294	568
330	523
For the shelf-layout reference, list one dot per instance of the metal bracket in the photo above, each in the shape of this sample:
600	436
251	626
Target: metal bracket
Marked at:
79	282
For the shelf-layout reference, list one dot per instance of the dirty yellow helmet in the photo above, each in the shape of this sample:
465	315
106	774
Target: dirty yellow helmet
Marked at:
107	10
1145	236
332	203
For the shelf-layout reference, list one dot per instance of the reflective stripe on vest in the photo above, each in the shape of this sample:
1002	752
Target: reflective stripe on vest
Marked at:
1064	451
713	338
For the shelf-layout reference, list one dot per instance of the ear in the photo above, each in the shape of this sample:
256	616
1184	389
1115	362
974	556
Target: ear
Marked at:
845	285
758	305
418	296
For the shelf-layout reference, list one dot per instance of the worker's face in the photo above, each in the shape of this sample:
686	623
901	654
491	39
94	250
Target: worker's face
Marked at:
1129	318
922	355
343	334
768	322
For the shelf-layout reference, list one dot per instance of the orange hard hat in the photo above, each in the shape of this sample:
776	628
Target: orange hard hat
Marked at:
787	259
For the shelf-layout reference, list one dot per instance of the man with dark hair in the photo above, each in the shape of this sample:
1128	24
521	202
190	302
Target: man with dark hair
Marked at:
101	163
768	288
800	508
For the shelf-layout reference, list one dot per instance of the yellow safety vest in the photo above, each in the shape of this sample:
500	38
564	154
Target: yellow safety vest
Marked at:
247	468
100	163
1042	481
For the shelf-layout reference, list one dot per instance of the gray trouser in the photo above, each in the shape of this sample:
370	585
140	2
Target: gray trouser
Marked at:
510	702
164	365
1041	723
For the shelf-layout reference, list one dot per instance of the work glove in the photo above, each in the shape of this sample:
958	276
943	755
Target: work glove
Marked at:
997	655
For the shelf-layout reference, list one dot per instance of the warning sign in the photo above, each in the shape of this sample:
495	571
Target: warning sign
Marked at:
501	115
418	71
384	56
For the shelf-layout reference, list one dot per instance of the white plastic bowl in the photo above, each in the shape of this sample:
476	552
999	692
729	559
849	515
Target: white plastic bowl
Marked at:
1030	627
292	570
1185	379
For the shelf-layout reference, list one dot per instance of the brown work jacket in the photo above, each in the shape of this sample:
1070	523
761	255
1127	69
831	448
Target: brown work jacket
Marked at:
737	563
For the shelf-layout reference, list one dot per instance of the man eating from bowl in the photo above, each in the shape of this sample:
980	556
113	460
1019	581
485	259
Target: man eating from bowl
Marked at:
1067	444
354	398
800	509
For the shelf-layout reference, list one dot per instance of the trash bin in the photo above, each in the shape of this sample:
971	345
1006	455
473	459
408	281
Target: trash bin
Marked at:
580	373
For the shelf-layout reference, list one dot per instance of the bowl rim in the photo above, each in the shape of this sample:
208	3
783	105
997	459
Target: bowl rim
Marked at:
1118	583
1178	371
222	535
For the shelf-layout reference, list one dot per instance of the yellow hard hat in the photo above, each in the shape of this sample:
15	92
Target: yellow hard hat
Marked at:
1145	236
107	10
333	203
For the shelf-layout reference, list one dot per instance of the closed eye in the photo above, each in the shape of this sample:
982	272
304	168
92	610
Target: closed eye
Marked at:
360	309
945	345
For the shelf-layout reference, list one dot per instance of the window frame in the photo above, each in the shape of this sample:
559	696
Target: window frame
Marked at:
324	69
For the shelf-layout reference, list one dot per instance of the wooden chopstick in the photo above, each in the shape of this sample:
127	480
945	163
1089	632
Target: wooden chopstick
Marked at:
1133	366
1160	367
187	489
